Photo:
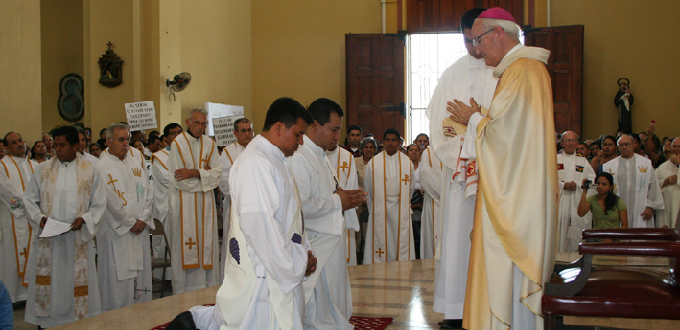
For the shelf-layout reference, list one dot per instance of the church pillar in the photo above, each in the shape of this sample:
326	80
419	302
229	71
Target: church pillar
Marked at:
168	109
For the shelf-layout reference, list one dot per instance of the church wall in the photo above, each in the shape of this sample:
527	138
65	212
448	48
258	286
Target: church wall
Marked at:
61	42
631	39
215	49
299	49
20	108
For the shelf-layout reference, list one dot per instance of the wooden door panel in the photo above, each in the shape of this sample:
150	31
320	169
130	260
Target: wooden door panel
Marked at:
565	66
375	71
427	16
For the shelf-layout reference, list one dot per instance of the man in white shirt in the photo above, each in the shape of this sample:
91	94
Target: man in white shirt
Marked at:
667	175
328	295
195	170
243	131
269	254
61	274
17	235
124	264
571	170
636	183
389	184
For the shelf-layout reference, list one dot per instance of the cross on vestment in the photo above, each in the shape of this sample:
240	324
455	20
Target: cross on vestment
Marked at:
190	243
380	252
204	161
112	182
25	254
406	179
344	166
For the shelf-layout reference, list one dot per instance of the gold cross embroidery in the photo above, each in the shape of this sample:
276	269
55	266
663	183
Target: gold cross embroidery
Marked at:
406	179
344	166
204	161
112	182
25	253
190	243
380	252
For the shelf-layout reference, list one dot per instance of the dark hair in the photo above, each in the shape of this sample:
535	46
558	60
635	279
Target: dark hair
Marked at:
421	134
636	137
102	131
412	145
183	321
95	145
153	138
391	131
321	110
606	137
287	111
611	199
469	18
154	132
4	140
168	127
132	143
33	148
70	133
353	128
240	120
656	141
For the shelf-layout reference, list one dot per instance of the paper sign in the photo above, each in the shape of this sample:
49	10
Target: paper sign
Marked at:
54	228
141	115
224	130
218	110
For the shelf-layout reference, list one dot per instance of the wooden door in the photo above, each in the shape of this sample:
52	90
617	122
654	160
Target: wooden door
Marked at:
426	16
376	82
565	66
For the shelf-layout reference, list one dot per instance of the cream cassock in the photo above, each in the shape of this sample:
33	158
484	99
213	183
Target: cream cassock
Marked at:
572	168
345	168
229	155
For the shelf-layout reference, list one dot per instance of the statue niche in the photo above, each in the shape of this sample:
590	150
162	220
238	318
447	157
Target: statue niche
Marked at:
111	67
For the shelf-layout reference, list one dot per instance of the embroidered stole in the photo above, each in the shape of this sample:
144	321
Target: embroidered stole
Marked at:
236	292
192	254
23	232
343	166
43	275
378	208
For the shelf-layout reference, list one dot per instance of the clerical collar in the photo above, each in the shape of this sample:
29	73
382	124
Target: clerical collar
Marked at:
514	49
195	137
66	163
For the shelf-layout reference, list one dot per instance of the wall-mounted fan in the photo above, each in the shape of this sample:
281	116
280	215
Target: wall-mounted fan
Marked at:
179	83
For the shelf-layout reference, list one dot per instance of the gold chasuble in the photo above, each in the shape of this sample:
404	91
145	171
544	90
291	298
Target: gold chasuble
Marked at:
516	211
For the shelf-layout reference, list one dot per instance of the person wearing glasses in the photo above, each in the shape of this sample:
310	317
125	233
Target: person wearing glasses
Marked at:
636	183
195	169
243	131
571	170
514	226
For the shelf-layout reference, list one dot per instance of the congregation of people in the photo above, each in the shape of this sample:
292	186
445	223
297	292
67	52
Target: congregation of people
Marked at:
297	208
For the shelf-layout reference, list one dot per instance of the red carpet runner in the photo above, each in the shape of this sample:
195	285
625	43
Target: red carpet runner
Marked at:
360	323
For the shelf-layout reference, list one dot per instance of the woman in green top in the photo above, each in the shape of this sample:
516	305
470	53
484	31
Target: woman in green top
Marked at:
609	211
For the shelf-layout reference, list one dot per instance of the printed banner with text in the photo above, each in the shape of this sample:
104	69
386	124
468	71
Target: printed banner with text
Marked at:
224	130
141	115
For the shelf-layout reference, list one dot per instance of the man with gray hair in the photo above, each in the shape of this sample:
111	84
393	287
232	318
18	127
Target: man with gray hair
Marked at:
571	170
195	170
513	249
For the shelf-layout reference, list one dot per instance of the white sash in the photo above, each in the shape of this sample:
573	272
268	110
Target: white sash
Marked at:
190	209
22	230
236	293
378	209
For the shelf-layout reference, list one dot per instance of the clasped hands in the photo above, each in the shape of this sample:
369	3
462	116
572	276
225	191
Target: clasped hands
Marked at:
187	173
351	198
461	112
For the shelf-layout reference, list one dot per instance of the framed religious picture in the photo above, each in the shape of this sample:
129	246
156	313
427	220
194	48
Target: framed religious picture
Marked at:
71	105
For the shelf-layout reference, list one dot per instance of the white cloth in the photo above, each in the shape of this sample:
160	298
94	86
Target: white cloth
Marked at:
161	182
264	198
15	232
91	158
572	168
671	196
430	223
389	183
194	245
65	209
468	77
229	155
345	168
328	296
124	264
645	192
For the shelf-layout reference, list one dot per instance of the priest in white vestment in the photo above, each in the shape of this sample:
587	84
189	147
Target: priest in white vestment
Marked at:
389	183
345	167
161	183
124	263
269	253
571	170
513	238
430	176
243	132
468	77
667	176
195	170
61	273
328	295
15	233
636	183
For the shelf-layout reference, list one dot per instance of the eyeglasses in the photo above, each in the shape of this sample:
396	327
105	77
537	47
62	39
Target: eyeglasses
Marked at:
625	144
478	40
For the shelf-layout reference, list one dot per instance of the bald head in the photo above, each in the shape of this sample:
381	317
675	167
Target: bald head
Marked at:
626	145
569	141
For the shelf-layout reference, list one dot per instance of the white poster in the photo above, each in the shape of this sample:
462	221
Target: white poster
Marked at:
141	115
224	130
218	110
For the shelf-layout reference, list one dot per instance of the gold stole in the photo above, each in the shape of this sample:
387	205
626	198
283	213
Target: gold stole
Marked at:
43	275
22	240
192	254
